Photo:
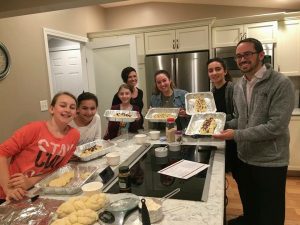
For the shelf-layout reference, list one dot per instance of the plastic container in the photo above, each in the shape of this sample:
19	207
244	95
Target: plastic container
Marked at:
178	136
154	134
92	188
124	179
113	158
170	129
140	138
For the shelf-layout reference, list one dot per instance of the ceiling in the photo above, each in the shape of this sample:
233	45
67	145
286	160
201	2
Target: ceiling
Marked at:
279	4
16	7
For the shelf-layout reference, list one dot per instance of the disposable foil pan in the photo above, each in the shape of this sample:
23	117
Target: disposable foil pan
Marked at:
190	100
105	147
197	121
161	114
83	173
121	115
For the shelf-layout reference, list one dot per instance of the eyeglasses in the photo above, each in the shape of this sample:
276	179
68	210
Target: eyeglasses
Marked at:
246	55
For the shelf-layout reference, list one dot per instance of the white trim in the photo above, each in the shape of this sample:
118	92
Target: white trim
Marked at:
71	37
55	33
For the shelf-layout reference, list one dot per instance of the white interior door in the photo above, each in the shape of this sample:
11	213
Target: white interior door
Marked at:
106	57
66	71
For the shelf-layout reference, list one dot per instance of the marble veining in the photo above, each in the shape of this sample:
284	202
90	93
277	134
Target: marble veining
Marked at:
181	211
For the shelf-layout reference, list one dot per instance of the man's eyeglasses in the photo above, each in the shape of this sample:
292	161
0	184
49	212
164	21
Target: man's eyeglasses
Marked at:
246	55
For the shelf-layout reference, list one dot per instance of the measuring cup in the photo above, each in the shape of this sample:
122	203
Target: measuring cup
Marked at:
156	213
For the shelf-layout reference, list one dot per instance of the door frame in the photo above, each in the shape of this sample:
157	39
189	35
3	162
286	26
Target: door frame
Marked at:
105	42
67	36
102	43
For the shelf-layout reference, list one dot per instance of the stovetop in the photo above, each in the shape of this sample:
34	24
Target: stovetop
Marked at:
146	181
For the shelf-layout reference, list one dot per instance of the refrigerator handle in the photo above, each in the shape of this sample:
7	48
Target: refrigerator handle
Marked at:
172	69
176	72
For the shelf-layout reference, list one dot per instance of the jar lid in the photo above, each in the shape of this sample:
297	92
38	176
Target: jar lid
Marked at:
123	169
171	119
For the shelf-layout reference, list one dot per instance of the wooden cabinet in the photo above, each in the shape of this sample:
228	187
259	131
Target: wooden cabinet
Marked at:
294	143
226	36
288	48
179	40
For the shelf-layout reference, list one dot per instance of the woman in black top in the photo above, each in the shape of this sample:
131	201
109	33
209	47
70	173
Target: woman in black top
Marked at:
129	76
223	95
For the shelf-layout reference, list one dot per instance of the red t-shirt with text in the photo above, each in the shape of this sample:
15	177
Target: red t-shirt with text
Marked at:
34	150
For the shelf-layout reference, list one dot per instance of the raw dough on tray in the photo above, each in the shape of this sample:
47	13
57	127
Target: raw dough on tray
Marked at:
62	180
93	202
80	217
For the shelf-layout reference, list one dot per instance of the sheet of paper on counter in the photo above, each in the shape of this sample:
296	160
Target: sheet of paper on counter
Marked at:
183	169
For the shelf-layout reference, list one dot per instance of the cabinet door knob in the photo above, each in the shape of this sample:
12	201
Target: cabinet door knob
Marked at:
177	44
173	44
241	36
278	68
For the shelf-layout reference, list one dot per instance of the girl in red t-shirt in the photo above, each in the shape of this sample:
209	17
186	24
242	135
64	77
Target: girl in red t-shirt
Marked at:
38	149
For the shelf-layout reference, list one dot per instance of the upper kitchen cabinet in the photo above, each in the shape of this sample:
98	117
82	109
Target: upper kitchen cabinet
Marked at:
226	36
179	40
288	48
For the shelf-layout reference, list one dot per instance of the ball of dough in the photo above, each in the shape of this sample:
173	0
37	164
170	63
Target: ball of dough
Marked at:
65	209
96	201
62	180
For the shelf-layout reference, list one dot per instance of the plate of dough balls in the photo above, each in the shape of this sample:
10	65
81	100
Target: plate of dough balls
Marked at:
80	210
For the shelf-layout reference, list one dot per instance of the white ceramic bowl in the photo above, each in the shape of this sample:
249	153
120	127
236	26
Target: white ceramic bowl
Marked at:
140	138
161	152
113	158
174	147
92	188
154	134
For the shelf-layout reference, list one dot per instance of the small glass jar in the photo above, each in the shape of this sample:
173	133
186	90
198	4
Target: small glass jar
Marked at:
178	136
124	179
171	128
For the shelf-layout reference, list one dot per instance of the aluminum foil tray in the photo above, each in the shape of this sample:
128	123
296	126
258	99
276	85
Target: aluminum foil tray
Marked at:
83	174
197	121
24	212
161	114
191	99
101	147
121	115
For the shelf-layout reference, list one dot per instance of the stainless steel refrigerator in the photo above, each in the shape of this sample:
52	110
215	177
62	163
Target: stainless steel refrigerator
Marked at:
188	70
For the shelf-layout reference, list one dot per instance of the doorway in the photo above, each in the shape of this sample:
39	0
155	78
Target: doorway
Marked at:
66	62
106	58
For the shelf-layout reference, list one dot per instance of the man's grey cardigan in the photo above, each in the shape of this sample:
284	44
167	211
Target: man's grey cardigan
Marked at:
262	133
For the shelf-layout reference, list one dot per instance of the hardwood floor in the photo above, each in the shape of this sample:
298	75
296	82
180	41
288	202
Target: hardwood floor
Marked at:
234	207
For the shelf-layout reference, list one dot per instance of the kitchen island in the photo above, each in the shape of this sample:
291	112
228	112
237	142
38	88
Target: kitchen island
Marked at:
176	211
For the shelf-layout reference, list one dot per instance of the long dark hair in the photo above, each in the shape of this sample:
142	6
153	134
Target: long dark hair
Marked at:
156	91
223	64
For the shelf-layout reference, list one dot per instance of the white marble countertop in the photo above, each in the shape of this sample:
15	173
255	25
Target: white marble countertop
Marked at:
181	211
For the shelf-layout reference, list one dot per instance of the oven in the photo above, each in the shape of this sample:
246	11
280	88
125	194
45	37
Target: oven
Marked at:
228	55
